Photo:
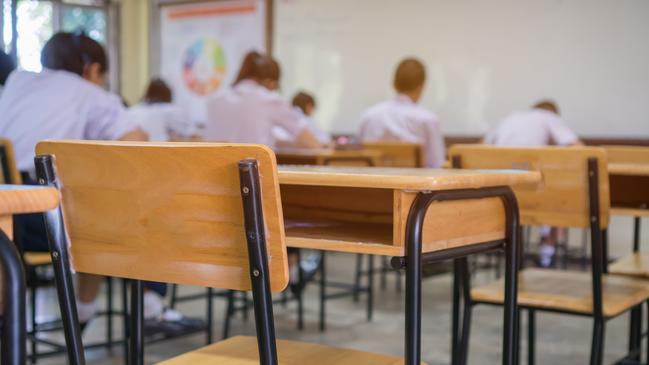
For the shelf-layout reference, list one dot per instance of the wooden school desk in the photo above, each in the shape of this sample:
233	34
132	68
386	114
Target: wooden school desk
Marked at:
328	156
16	199
414	215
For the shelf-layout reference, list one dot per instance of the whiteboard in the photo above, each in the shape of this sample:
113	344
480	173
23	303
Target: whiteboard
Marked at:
202	45
485	59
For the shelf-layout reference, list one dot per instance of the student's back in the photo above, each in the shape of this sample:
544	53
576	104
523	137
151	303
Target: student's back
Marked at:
539	126
402	119
57	105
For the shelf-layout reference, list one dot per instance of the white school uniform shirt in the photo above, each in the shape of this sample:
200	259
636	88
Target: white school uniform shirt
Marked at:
247	113
532	128
158	120
57	105
401	119
323	137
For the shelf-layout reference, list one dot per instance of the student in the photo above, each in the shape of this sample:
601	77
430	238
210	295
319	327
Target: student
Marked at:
402	119
539	126
66	101
162	120
305	105
7	65
247	111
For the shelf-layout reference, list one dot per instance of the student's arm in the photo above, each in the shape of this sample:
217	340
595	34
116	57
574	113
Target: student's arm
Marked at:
108	120
285	117
561	134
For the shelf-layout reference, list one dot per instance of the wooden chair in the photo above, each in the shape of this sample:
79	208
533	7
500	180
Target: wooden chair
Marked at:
16	200
196	214
630	198
398	154
574	193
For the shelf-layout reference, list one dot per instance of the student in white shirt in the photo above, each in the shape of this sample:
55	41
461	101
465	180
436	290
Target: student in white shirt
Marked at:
248	111
304	105
539	126
402	119
159	117
7	65
66	101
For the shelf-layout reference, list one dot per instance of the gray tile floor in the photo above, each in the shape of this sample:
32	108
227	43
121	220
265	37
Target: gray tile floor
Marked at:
561	339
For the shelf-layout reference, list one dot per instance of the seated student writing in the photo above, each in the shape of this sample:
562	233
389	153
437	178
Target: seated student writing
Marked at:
160	118
402	119
304	105
66	101
539	126
247	111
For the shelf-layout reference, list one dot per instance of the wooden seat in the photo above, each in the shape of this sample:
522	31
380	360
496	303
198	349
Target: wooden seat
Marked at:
243	351
568	291
635	265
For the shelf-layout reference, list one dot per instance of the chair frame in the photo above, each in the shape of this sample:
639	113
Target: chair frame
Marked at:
13	293
599	268
258	258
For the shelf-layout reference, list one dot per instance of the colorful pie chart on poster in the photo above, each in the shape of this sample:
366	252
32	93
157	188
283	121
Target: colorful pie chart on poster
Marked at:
204	66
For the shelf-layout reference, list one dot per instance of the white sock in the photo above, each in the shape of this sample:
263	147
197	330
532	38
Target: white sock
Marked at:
86	311
294	273
153	306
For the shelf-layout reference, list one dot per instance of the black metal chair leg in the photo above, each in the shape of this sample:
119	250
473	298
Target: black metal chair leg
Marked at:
510	325
636	234
384	273
531	337
647	353
125	319
370	286
32	322
465	287
13	293
174	296
635	332
357	276
323	291
136	348
597	349
300	296
109	314
210	316
455	315
229	309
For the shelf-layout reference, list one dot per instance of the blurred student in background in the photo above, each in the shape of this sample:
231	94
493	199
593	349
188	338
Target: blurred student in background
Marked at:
305	105
402	119
539	126
7	65
67	101
247	111
160	118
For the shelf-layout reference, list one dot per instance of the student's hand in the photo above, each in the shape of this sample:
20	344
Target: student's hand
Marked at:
306	139
135	135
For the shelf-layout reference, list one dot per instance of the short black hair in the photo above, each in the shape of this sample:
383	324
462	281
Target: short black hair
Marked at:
158	92
7	65
255	66
547	105
410	75
72	52
302	99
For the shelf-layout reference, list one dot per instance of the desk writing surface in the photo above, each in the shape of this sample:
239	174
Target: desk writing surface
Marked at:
365	210
403	178
327	156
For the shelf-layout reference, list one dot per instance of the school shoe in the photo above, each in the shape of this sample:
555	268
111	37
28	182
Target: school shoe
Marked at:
171	324
309	267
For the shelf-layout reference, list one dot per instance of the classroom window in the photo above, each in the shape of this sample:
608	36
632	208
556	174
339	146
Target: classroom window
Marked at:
35	26
90	20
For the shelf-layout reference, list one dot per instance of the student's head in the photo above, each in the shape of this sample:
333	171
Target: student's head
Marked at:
275	73
76	53
256	67
7	65
305	102
547	105
158	92
409	78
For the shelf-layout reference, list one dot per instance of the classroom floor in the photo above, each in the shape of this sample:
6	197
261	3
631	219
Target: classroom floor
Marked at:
561	339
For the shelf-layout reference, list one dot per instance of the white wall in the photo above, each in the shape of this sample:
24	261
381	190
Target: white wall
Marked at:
484	58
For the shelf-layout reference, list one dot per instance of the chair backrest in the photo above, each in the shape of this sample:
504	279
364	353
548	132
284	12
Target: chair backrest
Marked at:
628	154
168	212
562	197
398	154
9	173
